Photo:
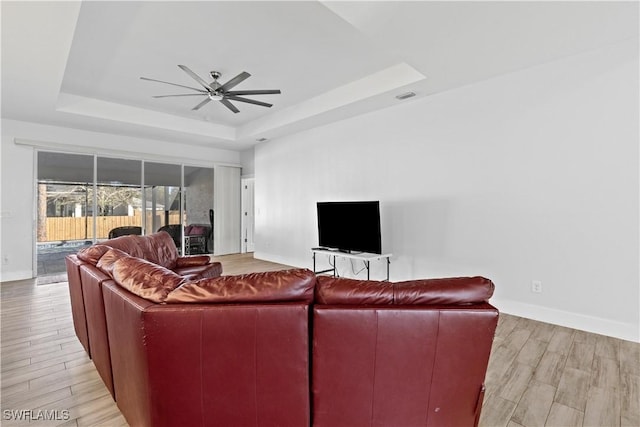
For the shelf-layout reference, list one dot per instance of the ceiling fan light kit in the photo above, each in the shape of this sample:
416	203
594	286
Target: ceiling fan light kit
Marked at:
214	91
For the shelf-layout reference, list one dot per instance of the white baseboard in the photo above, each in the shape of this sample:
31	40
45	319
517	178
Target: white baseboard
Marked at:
10	276
596	325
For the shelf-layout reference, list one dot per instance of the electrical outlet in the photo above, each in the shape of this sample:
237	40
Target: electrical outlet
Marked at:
536	286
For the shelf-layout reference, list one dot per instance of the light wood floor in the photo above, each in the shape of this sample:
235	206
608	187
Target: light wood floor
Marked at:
539	374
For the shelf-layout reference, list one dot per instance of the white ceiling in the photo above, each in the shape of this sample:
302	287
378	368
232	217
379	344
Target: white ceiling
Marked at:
79	64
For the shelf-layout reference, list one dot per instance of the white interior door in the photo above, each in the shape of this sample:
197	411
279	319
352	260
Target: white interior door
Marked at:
248	215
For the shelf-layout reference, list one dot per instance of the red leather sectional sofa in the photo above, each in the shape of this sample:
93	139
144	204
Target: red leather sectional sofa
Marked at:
179	345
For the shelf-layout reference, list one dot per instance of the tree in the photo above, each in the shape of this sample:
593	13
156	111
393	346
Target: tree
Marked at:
42	213
108	197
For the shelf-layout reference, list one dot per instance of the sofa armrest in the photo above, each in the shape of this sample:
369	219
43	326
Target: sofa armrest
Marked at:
196	272
191	261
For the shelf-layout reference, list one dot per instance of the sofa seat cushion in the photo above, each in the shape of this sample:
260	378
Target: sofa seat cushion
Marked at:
456	290
145	279
275	286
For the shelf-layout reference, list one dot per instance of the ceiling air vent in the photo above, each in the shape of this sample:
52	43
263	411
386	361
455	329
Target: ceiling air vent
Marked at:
405	95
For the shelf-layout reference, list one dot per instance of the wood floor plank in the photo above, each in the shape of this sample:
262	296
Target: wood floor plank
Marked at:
564	416
549	370
573	388
607	347
506	324
8	391
630	399
605	373
531	352
602	408
629	358
515	381
21	375
45	400
561	340
534	407
581	355
543	331
500	360
496	412
585	337
517	338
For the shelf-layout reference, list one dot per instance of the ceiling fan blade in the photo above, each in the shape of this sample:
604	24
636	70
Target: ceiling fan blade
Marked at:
174	84
229	105
249	101
202	104
254	92
183	94
195	77
234	81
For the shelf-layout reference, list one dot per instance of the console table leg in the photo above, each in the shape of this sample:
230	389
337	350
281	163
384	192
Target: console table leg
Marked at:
334	266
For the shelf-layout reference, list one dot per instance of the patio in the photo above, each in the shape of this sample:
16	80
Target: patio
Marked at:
51	255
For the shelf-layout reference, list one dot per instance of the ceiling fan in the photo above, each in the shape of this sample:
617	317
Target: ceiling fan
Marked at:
215	91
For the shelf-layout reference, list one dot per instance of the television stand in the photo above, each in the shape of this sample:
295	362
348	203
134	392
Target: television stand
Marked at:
363	256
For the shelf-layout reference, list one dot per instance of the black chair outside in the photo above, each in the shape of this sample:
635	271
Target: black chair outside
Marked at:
174	231
198	239
125	231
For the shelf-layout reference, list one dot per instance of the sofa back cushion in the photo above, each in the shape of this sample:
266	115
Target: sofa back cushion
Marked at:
145	279
157	248
108	259
457	290
274	286
335	290
126	244
160	249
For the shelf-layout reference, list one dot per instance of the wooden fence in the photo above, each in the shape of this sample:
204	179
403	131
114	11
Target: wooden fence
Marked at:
72	228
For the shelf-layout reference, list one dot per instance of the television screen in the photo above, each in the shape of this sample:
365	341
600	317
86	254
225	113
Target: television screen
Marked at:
350	226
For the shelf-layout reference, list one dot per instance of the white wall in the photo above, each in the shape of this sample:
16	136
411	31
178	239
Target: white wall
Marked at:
247	160
17	209
529	176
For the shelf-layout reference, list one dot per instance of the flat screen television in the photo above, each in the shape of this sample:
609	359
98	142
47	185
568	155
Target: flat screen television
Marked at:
350	226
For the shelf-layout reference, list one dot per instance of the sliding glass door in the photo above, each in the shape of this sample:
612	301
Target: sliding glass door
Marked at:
199	213
119	202
64	208
162	183
84	199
